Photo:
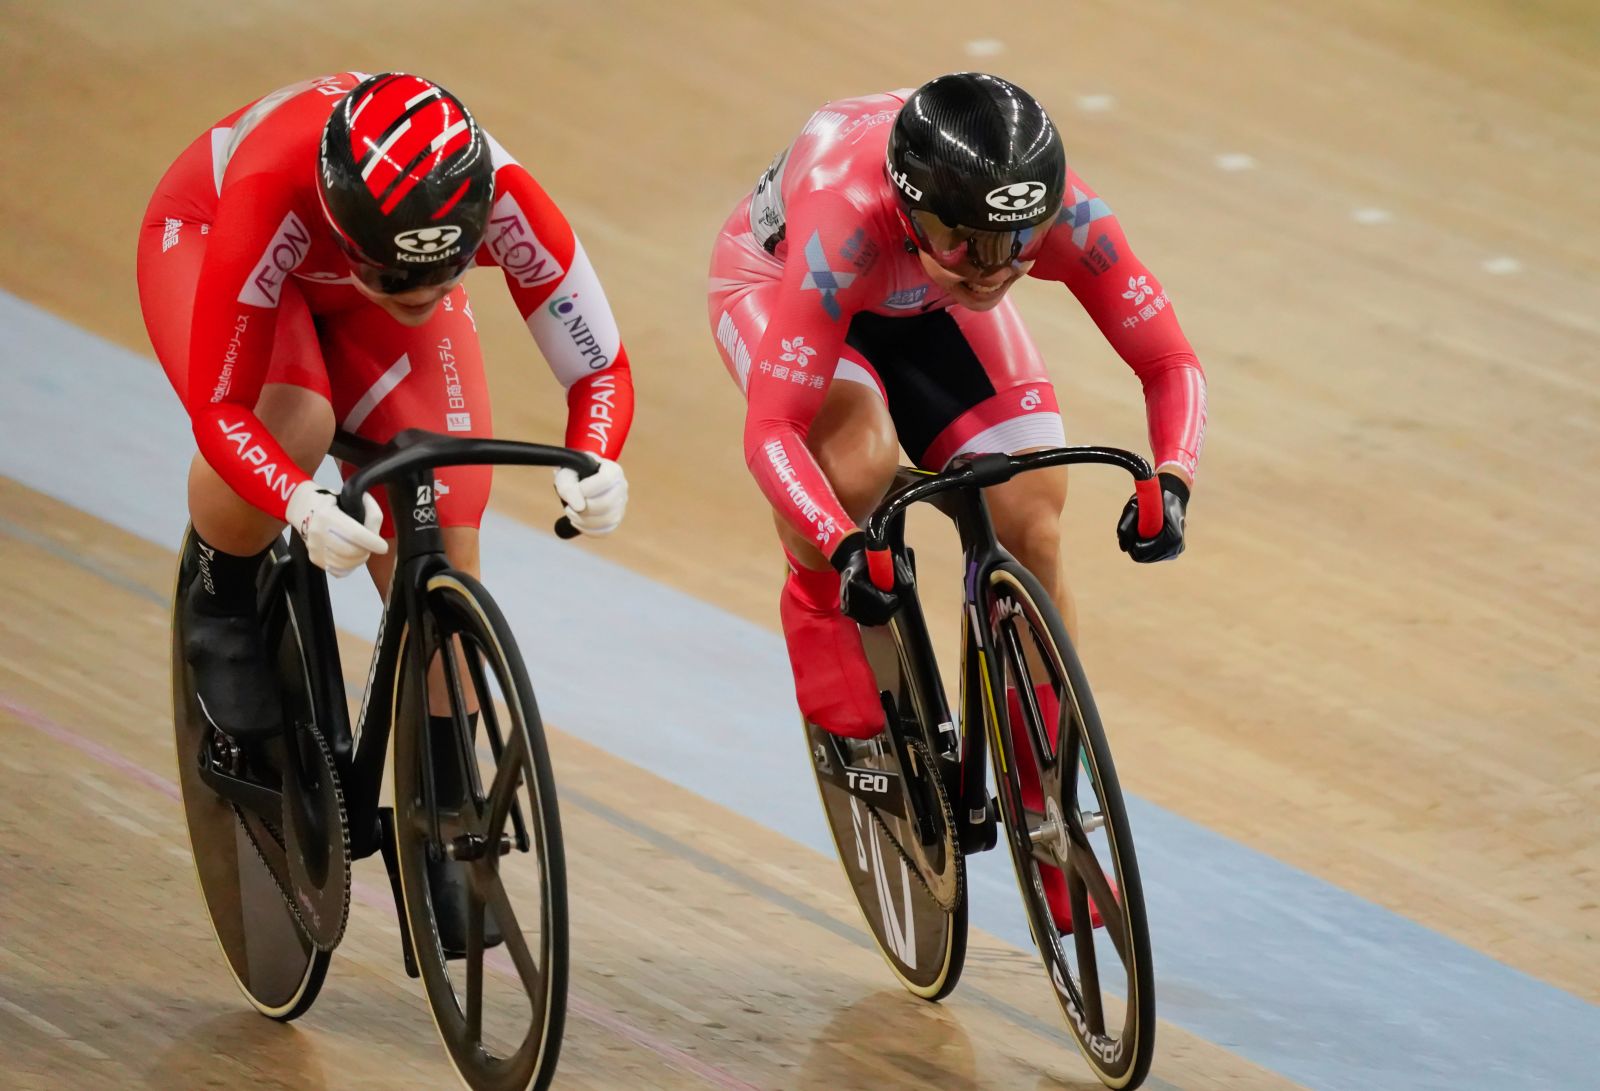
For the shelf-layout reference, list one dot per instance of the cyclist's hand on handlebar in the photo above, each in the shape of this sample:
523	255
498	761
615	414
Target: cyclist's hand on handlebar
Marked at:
1168	541
335	542
594	504
861	600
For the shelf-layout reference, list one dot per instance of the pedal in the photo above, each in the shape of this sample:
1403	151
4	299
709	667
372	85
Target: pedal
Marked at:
471	846
229	757
450	889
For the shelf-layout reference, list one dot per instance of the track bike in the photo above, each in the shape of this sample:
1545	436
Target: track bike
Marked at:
275	825
906	807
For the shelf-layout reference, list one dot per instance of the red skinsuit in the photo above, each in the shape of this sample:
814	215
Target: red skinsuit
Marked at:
843	252
241	283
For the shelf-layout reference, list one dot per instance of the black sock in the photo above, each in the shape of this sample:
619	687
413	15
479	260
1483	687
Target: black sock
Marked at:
224	583
448	786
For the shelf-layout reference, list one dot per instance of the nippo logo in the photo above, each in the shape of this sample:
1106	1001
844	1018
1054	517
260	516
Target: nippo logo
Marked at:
428	240
1016	196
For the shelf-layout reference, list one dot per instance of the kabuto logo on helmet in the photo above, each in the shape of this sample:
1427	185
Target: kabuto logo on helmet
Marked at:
406	180
428	243
1015	196
898	177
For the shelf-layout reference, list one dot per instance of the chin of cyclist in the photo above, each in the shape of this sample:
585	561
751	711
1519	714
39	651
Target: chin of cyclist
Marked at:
300	269
859	297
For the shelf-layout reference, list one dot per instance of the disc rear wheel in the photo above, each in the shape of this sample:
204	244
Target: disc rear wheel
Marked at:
241	865
904	863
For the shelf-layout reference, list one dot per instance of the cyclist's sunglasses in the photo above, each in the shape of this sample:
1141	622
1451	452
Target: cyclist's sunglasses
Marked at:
953	247
399	281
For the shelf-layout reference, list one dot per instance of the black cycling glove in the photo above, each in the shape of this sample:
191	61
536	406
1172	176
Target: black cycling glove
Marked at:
1168	542
861	600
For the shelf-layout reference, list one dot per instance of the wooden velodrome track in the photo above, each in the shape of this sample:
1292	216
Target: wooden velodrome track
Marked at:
1377	662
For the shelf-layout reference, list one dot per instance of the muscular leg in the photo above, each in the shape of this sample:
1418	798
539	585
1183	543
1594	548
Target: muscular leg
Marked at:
854	442
1027	518
222	640
302	421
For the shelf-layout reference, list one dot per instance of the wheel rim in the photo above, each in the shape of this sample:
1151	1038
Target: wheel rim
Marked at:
1074	828
493	1008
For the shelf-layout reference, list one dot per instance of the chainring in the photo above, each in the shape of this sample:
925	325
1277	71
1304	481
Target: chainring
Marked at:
944	888
311	872
316	827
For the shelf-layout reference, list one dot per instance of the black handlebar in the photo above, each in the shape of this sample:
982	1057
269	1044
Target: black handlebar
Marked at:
981	471
415	449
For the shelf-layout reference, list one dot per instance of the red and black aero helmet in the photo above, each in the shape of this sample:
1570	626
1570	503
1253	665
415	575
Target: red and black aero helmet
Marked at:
406	181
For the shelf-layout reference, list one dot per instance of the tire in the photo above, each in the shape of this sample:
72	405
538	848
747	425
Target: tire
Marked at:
460	613
1072	776
268	954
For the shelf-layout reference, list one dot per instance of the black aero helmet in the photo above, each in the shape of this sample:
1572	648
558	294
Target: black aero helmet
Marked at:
974	151
406	181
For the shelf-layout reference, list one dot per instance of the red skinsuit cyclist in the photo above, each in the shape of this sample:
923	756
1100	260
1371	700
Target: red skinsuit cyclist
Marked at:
858	297
299	269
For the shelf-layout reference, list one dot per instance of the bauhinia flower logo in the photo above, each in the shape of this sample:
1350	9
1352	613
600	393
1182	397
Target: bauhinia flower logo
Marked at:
797	352
1137	290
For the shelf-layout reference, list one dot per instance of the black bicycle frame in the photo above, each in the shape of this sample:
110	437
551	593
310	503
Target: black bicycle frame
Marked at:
958	493
405	468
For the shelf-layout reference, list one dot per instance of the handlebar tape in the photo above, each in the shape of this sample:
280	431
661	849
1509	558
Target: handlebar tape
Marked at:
1152	511
880	566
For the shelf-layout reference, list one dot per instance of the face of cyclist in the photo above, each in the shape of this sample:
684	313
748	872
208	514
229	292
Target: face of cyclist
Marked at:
409	307
976	267
970	286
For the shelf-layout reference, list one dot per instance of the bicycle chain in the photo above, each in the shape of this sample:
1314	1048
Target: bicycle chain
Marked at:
954	843
331	774
279	881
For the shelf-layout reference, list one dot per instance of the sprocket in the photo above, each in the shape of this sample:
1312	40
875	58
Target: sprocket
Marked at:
945	888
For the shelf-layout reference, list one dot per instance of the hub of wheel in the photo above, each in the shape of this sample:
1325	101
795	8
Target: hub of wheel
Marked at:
1052	833
474	846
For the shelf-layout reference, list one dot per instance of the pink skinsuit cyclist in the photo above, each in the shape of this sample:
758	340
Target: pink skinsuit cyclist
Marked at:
812	271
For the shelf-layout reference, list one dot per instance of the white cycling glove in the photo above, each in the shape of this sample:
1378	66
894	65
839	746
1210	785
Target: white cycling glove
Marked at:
336	543
595	503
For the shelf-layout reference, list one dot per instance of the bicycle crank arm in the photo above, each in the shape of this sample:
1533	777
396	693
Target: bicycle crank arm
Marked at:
245	794
881	788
